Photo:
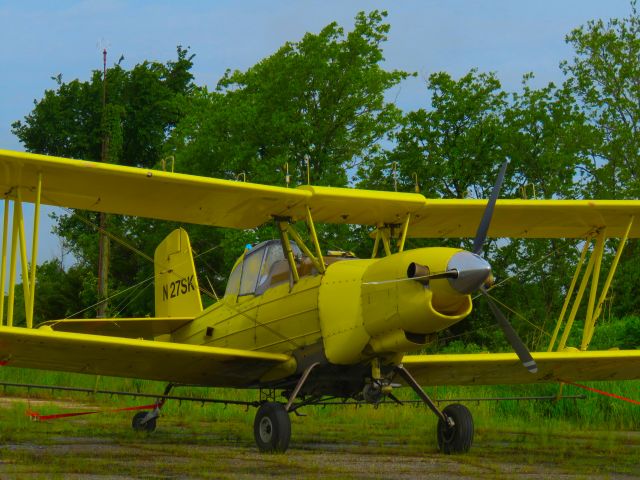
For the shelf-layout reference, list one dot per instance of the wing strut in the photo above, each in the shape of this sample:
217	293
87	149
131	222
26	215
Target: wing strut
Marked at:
592	273
286	229
388	232
18	236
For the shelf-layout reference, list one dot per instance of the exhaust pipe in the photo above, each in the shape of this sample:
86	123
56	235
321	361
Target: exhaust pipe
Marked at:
419	273
422	274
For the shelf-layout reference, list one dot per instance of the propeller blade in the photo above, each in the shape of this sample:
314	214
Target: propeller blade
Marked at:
513	338
483	228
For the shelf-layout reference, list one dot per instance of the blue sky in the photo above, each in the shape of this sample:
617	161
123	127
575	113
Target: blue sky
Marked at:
40	39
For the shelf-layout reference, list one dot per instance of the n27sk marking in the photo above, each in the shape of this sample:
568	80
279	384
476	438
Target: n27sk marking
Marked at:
179	287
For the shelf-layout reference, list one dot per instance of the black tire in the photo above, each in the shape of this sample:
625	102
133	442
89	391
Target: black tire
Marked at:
456	439
137	424
272	427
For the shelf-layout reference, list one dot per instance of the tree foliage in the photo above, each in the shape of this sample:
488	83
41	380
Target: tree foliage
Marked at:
143	105
604	74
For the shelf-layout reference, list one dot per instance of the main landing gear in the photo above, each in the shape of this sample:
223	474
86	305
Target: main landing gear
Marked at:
272	427
455	423
456	438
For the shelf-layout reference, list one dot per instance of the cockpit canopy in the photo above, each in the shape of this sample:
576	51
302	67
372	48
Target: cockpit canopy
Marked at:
255	273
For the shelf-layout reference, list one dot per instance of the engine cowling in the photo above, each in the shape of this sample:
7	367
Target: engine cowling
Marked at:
370	307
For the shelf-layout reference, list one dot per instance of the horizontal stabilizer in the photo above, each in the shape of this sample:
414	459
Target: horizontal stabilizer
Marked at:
147	328
506	368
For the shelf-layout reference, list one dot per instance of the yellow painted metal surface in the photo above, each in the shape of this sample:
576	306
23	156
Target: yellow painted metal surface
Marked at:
146	328
365	207
406	303
34	253
568	296
171	196
170	362
19	219
370	307
3	262
595	278
525	218
506	368
110	188
12	267
340	308
177	293
277	321
588	335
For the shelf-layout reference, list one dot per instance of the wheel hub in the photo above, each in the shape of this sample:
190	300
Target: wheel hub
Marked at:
266	430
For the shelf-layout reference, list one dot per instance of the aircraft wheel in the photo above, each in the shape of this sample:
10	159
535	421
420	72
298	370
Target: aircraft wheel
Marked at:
272	427
137	424
456	439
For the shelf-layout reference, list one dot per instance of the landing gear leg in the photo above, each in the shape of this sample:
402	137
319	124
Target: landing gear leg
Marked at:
146	421
455	423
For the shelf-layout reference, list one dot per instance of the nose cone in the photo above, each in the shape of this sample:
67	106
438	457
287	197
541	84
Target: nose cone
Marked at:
473	271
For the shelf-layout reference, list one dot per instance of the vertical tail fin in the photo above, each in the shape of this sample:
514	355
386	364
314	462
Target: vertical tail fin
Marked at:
176	283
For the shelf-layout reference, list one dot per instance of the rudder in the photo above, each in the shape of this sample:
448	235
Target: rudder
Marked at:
176	284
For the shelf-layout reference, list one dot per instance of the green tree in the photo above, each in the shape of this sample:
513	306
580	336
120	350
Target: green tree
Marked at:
60	293
452	148
143	105
321	99
604	74
455	147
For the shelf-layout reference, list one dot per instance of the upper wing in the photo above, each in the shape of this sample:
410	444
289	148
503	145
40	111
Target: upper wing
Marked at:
147	328
439	218
209	201
170	362
527	218
103	187
506	368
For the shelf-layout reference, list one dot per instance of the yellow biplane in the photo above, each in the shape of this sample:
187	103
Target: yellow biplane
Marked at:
294	319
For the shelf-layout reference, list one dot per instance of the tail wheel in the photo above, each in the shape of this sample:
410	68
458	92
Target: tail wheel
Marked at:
272	427
459	437
139	425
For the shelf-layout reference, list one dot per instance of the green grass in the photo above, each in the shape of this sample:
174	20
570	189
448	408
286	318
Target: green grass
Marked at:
599	435
595	412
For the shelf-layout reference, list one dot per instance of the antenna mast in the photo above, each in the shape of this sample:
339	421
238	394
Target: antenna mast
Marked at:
103	245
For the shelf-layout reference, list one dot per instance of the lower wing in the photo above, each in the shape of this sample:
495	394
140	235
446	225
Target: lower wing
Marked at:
506	368
104	355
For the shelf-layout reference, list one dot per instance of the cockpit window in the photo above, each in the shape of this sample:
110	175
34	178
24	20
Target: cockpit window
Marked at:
252	275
